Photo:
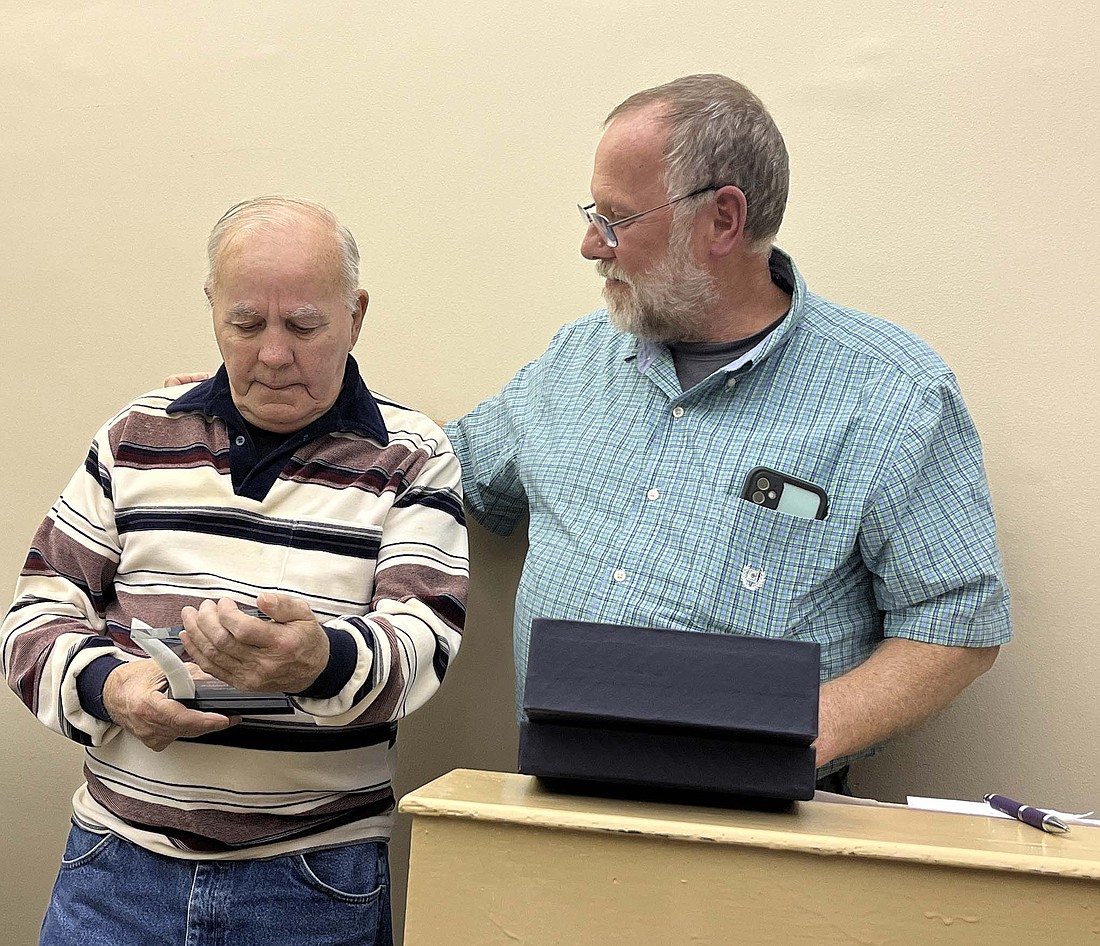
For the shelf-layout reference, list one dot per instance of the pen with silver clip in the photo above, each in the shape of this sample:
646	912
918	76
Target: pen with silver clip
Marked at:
1035	817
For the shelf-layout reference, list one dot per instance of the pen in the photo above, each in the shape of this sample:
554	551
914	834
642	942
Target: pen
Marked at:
1035	817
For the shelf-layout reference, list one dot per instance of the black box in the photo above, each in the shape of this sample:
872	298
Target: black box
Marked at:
716	713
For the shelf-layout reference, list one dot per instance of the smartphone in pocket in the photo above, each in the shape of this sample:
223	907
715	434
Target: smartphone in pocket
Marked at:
785	493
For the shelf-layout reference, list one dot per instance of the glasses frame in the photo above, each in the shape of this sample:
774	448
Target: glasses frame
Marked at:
606	228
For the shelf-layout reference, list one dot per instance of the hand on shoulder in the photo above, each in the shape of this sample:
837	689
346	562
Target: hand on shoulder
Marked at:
185	378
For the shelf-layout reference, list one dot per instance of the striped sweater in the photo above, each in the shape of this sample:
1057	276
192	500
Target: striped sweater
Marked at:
363	521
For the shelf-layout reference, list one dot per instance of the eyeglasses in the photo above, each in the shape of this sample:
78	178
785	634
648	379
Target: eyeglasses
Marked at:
606	228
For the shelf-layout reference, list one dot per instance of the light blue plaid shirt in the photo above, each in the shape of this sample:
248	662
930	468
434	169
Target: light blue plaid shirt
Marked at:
633	487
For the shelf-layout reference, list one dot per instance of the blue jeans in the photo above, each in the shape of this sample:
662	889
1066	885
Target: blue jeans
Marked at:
110	892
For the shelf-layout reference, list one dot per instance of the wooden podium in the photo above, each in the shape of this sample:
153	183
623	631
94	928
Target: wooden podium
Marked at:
497	859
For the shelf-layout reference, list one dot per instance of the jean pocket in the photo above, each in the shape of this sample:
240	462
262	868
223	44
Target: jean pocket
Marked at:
83	847
354	873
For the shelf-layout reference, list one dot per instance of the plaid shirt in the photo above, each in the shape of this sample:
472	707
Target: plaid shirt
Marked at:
633	487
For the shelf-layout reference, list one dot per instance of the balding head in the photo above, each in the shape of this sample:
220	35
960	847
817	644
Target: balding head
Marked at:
292	216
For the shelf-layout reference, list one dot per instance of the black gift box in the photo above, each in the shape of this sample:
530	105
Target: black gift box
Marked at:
671	710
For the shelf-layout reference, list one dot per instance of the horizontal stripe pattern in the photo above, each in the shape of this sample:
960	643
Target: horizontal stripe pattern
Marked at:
370	535
241	824
252	527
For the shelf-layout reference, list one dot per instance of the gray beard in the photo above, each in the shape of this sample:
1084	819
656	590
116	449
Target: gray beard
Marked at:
669	303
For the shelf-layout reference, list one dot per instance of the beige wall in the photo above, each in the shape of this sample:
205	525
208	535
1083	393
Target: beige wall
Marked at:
944	165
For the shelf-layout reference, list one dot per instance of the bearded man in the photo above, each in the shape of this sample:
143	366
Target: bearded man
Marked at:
631	441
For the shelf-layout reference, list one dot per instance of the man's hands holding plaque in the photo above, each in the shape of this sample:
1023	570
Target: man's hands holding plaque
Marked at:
285	654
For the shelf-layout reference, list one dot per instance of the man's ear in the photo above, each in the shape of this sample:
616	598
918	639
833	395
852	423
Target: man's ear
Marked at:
362	300
730	210
209	295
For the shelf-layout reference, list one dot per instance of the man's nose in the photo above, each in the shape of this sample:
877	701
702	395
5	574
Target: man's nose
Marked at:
276	351
593	246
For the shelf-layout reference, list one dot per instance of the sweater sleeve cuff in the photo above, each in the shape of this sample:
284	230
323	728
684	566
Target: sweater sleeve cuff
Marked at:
342	659
89	685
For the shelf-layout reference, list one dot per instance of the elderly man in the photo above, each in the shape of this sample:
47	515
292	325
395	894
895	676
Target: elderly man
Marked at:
630	441
281	482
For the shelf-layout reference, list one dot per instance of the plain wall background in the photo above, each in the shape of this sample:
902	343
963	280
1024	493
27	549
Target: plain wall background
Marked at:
944	160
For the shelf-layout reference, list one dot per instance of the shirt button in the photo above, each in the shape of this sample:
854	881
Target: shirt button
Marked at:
731	381
240	441
653	493
677	411
620	575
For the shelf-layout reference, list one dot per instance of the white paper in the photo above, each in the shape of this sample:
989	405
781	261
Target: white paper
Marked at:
834	799
958	807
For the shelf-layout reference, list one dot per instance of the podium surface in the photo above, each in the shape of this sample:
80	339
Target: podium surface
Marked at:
498	859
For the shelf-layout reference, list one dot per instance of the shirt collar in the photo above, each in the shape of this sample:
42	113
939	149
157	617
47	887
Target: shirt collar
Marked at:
355	410
785	275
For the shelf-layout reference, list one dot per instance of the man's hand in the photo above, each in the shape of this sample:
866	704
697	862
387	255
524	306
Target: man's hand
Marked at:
135	698
173	379
284	655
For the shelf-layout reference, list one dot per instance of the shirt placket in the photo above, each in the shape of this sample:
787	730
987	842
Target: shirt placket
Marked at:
641	550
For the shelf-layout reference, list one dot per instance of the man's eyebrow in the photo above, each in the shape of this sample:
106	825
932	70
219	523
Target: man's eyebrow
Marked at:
305	312
240	310
605	205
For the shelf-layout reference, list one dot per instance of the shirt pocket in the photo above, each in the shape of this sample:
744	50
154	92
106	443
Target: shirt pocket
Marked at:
757	563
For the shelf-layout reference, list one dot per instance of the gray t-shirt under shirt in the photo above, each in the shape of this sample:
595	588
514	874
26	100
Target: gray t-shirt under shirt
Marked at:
695	361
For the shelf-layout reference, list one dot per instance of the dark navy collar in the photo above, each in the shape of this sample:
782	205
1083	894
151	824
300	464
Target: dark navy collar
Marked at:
355	410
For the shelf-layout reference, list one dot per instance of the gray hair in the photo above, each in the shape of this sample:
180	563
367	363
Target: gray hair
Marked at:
720	133
265	213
